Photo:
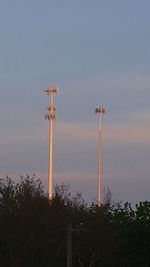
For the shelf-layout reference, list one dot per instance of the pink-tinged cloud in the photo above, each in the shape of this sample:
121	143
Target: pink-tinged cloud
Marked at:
25	132
74	175
135	130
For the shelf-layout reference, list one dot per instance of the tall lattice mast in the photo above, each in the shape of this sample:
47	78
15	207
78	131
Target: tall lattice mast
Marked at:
51	116
100	111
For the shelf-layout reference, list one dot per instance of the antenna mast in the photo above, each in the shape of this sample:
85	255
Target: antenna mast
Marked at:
51	116
100	111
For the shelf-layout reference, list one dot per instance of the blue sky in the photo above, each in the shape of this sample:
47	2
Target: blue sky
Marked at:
98	53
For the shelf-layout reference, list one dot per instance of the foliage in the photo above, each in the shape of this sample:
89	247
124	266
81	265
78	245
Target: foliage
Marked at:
33	230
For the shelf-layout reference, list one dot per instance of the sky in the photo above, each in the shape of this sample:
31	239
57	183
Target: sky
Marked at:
98	53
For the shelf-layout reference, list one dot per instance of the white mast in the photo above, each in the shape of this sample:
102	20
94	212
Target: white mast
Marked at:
101	111
50	91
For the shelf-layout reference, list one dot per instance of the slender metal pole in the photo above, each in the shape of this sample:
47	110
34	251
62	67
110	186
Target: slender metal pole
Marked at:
99	160
50	148
69	246
100	111
51	116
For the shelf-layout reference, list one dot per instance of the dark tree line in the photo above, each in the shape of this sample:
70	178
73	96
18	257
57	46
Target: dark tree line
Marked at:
33	230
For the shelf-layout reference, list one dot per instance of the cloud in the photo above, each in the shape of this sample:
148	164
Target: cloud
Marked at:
74	175
23	131
135	129
77	132
132	129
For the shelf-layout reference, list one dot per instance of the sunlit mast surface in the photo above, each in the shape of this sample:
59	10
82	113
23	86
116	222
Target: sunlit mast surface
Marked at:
100	111
51	116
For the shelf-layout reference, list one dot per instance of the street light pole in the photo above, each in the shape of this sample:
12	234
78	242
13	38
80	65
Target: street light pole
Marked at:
100	111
